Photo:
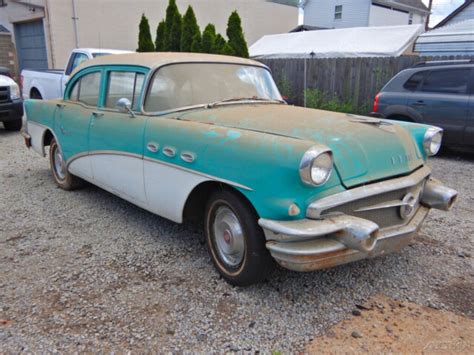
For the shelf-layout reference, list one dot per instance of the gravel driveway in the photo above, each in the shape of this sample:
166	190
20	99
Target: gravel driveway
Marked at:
85	270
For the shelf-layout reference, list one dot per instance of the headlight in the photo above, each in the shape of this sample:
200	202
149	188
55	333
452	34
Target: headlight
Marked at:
316	166
432	140
14	92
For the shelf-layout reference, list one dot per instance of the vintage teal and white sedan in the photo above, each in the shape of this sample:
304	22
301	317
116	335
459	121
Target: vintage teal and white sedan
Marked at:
194	136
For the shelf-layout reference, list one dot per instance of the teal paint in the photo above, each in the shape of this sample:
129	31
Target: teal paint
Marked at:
259	146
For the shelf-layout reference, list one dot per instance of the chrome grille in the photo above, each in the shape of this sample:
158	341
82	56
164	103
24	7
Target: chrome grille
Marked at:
384	217
4	94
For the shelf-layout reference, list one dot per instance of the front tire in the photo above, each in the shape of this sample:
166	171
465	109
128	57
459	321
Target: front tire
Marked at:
61	176
235	241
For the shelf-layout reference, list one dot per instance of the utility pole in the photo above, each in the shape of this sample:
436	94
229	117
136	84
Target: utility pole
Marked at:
74	19
427	23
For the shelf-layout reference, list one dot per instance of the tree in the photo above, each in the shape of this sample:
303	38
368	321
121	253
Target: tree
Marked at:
160	37
208	38
236	36
145	42
172	28
196	45
189	30
227	49
219	44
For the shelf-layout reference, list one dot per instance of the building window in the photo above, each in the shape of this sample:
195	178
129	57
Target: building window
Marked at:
410	18
338	12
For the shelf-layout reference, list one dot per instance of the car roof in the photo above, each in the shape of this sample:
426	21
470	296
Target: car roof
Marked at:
158	59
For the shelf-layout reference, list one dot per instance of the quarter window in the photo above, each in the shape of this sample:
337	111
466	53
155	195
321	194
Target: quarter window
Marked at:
414	82
124	85
338	12
86	89
451	81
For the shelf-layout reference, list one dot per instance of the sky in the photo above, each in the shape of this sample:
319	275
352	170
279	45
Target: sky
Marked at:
441	9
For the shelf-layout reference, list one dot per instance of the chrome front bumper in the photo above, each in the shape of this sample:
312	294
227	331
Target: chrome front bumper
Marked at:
334	239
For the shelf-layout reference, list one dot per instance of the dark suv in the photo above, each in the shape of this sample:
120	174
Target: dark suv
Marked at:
436	93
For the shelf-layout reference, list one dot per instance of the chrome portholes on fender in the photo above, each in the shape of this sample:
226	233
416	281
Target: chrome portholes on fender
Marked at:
169	151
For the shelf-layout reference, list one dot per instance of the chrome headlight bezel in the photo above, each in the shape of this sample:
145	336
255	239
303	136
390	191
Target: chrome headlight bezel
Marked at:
15	92
432	140
310	158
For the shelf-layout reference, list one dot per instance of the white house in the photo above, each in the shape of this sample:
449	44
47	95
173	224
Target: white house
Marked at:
364	13
462	13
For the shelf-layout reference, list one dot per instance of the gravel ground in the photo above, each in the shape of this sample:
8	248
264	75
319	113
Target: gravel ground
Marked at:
85	270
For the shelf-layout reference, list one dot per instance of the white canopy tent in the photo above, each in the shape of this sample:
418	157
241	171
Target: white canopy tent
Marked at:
386	41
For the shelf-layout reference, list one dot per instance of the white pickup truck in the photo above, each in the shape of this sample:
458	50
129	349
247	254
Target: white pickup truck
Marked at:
50	83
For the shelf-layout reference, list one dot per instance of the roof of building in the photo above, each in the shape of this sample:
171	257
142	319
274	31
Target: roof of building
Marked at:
384	41
158	59
302	28
413	3
452	39
454	13
4	29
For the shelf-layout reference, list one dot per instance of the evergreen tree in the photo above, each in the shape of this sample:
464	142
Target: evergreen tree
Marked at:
208	38
145	42
189	30
219	44
172	28
196	45
236	36
227	49
160	37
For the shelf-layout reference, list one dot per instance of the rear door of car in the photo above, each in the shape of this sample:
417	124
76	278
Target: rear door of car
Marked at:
443	100
469	130
116	141
73	117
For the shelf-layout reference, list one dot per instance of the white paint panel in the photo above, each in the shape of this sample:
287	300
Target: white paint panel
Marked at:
120	174
167	189
81	167
36	132
380	16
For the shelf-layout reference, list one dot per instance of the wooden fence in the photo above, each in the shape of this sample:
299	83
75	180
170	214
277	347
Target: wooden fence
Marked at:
350	81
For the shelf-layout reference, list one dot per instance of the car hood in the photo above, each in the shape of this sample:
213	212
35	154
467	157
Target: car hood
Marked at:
364	149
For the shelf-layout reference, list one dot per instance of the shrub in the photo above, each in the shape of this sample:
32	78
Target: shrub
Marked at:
189	30
145	42
236	36
160	37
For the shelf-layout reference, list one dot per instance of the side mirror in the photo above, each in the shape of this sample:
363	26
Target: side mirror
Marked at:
125	106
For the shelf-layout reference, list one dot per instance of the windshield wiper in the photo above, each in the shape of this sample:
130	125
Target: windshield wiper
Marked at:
236	99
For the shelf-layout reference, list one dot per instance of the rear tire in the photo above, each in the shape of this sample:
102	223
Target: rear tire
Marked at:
13	125
61	176
235	241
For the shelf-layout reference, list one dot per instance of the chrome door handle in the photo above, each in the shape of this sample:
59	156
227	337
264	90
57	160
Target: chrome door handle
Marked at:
97	114
419	103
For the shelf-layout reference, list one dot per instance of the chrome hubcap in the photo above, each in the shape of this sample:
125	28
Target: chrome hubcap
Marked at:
228	237
59	167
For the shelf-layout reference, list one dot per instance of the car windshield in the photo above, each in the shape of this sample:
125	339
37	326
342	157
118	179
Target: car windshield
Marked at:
191	84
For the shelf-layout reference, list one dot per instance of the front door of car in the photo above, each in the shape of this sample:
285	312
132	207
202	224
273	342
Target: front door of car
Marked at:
116	137
444	101
72	120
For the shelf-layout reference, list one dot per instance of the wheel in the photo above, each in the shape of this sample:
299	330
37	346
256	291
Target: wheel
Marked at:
13	125
235	241
61	176
35	95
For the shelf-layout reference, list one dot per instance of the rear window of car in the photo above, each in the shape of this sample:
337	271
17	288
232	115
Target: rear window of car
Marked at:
448	81
415	80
